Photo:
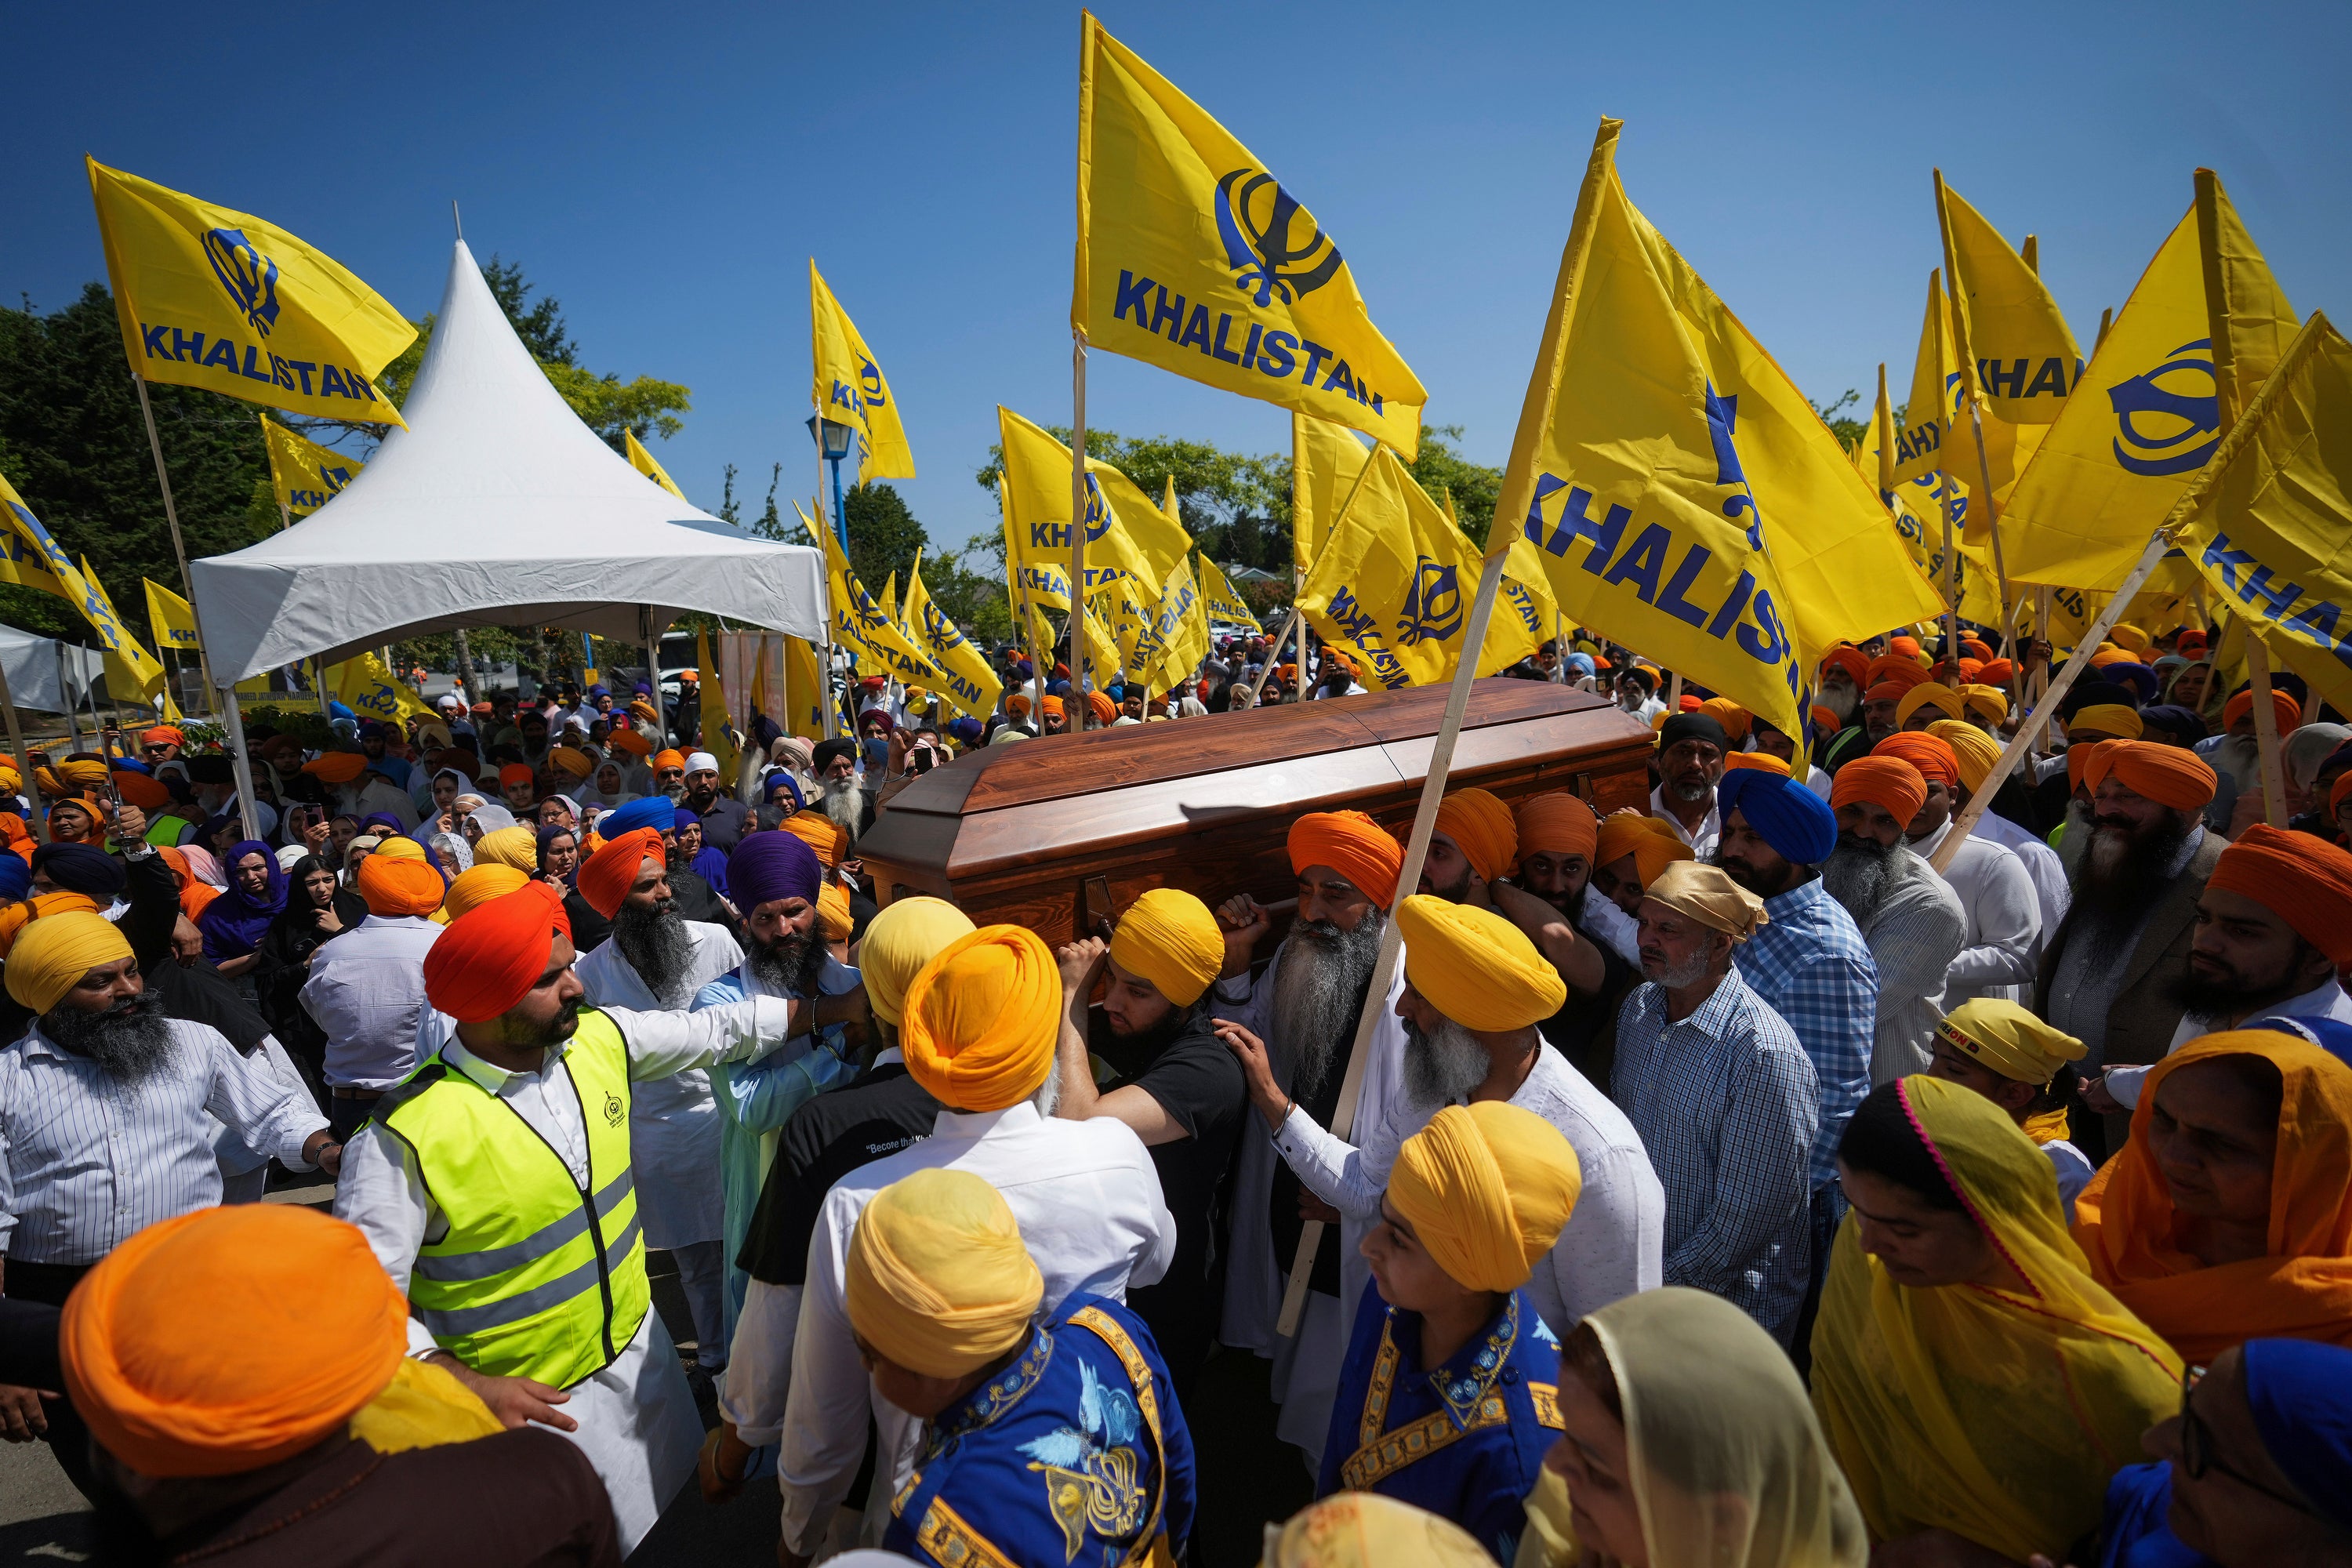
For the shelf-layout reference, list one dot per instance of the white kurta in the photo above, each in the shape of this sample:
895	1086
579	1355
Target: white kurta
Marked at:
1998	956
674	1121
2052	894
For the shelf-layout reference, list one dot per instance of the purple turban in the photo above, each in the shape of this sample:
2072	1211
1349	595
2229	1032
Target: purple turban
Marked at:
766	867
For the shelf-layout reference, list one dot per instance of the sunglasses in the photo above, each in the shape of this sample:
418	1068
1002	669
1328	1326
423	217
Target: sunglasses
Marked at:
2196	1445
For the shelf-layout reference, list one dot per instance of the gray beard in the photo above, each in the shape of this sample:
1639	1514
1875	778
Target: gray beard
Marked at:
1691	793
844	805
1444	1063
1324	972
792	964
658	947
131	1040
1840	700
1860	876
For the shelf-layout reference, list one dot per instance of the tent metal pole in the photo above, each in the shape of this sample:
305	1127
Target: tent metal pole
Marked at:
234	739
65	694
23	758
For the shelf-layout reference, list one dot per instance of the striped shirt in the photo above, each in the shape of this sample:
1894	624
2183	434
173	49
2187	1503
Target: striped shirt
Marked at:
87	1159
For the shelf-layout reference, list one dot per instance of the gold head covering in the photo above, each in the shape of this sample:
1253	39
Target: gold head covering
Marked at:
1365	1530
55	951
1975	751
1487	1188
2009	1039
938	1278
1707	896
904	937
1475	967
517	846
979	1023
1997	1415
1170	938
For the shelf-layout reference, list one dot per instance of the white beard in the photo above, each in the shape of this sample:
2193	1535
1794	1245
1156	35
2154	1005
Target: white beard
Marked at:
844	805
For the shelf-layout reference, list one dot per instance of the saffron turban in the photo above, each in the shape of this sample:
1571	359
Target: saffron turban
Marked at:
488	960
1734	719
1997	671
1360	849
1170	938
2127	636
1894	668
55	949
1886	691
517	846
1487	1188
1825	718
396	887
1932	755
2079	758
2107	655
1475	967
833	913
2302	878
513	773
1104	710
907	934
980	1022
1975	648
1797	822
1973	749
142	790
1908	646
1888	781
336	767
83	772
1653	845
571	762
15	916
1559	823
2288	712
1989	701
472	888
164	735
2009	1039
1929	694
938	1280
1053	707
667	758
1851	660
320	1330
1480	827
1017	705
767	868
656	811
822	834
629	741
1690	703
606	877
1758	761
1706	895
2112	720
2168	776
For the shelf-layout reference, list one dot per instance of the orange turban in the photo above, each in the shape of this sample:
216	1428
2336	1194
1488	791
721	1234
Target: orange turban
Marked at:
514	773
1762	762
1691	701
395	888
1054	707
141	790
319	1330
1931	754
1889	782
1353	845
606	877
486	961
820	833
1101	705
1017	705
1825	718
1851	659
1895	668
1561	824
1906	646
2079	758
980	1022
1653	845
14	917
832	911
573	762
629	741
2287	710
1734	719
164	735
1997	671
1928	694
474	887
669	759
2168	776
2302	878
2336	794
336	767
1482	828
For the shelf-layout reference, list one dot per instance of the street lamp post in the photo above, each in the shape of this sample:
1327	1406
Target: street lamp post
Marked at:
833	440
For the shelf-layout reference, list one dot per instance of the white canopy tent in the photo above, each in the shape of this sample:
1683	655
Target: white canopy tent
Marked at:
45	675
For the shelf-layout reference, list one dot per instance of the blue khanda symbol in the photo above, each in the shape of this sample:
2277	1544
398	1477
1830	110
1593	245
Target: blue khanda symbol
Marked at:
1098	515
335	479
1433	605
2161	413
1258	245
870	383
1722	419
249	277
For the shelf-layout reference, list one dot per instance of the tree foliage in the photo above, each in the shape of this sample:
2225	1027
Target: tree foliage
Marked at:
1850	431
883	533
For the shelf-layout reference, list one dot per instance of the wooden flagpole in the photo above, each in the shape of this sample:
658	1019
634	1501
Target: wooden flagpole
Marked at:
1079	642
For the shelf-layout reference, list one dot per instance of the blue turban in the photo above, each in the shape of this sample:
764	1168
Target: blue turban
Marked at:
1797	822
653	811
767	867
685	820
966	729
130	765
81	868
599	689
15	877
782	781
337	711
1581	663
2301	1392
2138	677
379	821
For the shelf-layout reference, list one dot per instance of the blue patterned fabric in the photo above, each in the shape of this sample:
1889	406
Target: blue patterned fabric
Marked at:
1812	966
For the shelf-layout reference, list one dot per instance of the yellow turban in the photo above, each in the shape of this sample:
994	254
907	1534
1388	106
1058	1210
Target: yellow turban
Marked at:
981	1021
938	1280
1707	896
1366	1530
479	883
1170	938
400	847
1928	694
55	951
2112	720
1990	700
820	833
572	761
2009	1039
84	771
832	911
1481	827
1976	750
1475	967
517	846
1487	1188
13	917
907	934
2128	636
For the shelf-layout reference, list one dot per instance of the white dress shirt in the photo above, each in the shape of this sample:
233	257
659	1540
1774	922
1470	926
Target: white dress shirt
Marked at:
1710	826
2052	894
87	1159
366	990
1088	1199
1998	956
2327	1000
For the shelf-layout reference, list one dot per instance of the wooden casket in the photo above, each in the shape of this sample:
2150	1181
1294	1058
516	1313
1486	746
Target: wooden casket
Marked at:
1054	833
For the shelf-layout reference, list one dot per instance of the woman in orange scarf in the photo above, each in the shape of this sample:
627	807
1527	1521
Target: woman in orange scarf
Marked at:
193	894
2229	1214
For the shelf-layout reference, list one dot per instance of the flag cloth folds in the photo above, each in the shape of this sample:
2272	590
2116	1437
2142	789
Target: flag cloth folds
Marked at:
34	561
718	733
213	298
1325	461
129	668
966	683
1181	629
305	475
1224	603
368	688
2013	340
850	387
804	693
1192	258
643	461
858	622
1688	499
2151	412
171	618
1937	436
1126	529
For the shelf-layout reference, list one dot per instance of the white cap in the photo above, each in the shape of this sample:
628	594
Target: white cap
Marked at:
702	763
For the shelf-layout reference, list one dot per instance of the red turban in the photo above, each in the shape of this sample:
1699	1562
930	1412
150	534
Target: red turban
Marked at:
1353	845
1560	824
1889	782
164	735
486	961
1851	660
395	888
1691	702
2298	877
608	875
1931	754
2168	776
514	773
2289	712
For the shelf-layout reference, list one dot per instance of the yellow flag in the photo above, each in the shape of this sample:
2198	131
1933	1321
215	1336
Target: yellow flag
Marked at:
1325	461
1126	530
1128	613
2012	339
1689	500
129	668
850	388
2154	410
966	682
1937	436
305	475
208	297
1191	257
1181	629
858	622
643	461
171	618
718	733
1225	605
34	561
890	595
368	688
805	691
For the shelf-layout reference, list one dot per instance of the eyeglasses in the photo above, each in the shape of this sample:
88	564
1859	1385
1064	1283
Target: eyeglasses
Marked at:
2197	1455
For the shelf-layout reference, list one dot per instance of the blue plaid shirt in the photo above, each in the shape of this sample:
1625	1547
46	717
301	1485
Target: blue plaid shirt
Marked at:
1812	966
1725	1106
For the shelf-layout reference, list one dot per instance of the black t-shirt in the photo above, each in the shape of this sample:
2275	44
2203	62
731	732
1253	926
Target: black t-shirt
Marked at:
588	928
883	1111
1585	1029
723	824
1198	1082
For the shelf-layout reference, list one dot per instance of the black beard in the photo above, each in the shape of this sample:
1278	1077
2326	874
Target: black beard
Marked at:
1317	995
1859	874
1459	893
658	947
1147	1043
2119	879
515	1034
1569	905
2208	1000
1442	1065
791	963
131	1040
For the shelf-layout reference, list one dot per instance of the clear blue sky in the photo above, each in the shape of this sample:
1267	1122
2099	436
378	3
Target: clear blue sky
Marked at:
666	172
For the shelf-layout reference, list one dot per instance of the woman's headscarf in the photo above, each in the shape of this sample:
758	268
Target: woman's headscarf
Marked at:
194	895
549	834
2209	710
204	863
2302	751
592	793
1994	1414
2301	1287
455	857
486	818
234	924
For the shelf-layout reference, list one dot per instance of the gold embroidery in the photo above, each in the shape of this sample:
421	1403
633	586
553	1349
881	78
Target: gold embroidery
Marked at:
1139	1373
953	1542
1378	1460
1547	1398
1376	1398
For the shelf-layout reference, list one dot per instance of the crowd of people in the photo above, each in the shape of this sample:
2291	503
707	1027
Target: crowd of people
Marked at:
1754	1178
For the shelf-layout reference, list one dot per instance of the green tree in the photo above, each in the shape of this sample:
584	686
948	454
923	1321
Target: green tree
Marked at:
1441	468
883	534
1849	430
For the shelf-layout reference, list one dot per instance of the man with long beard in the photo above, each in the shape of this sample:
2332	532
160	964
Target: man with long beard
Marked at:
1909	916
2094	710
1845	671
108	1111
836	774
